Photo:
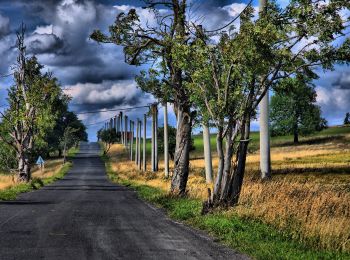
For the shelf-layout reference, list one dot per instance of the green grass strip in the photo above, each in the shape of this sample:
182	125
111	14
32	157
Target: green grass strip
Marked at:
248	236
34	184
37	183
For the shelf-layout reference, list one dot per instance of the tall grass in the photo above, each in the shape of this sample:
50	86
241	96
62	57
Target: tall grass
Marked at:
308	197
54	170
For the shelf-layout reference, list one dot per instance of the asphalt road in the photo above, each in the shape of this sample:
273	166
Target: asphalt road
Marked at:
84	216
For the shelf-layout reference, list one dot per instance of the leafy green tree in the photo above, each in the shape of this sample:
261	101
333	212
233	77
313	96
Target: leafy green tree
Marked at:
30	111
37	106
347	119
108	137
293	109
69	140
7	157
146	44
228	80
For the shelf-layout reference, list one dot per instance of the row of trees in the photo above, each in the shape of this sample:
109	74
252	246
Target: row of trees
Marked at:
37	120
223	81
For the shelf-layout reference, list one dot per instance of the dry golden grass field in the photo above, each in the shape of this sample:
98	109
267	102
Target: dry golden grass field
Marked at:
308	196
52	167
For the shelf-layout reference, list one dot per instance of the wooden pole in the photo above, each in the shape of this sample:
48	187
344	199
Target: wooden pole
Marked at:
144	142
265	156
166	142
207	154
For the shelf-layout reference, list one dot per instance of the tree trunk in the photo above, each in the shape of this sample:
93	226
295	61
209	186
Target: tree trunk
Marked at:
23	167
181	160
207	153
237	178
227	167
219	148
296	134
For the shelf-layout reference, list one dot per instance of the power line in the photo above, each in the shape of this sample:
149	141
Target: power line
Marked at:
7	75
108	110
97	123
107	120
234	19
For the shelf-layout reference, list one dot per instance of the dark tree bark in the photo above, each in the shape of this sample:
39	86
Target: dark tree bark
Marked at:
23	167
220	151
227	166
182	150
238	175
296	134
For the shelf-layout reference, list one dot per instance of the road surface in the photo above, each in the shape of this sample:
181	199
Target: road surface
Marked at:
84	216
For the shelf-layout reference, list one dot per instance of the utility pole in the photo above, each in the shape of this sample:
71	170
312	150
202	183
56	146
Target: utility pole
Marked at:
154	110
153	139
121	127
126	131
131	143
207	153
265	157
139	144
156	138
166	141
144	142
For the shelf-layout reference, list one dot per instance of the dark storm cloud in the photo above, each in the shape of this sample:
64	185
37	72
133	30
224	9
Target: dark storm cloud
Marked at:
108	94
44	43
65	47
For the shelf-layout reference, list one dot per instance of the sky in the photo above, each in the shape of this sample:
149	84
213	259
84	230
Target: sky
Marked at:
96	75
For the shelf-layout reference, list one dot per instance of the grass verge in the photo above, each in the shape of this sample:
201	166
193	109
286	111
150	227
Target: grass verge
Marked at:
12	192
249	236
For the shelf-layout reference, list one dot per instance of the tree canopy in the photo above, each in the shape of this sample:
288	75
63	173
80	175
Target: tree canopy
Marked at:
36	108
293	109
